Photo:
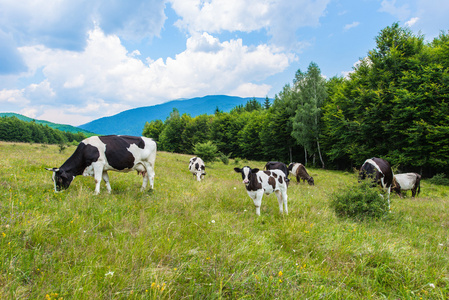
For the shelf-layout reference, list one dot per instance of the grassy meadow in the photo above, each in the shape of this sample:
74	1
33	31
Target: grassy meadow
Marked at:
203	240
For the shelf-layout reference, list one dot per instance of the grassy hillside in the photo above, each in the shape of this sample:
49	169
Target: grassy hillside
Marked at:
202	240
62	127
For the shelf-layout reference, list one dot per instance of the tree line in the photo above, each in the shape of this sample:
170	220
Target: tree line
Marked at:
394	105
14	130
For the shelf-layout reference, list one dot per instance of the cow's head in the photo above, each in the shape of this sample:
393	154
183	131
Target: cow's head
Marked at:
368	171
200	175
310	181
246	173
61	179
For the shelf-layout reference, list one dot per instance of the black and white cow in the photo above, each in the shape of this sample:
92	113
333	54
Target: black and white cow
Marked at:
405	182
97	155
197	167
264	182
299	171
379	171
276	165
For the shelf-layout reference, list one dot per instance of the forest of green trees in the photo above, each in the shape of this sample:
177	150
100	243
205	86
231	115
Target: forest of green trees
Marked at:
14	130
394	105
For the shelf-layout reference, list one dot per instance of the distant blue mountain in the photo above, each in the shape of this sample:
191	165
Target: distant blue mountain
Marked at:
131	122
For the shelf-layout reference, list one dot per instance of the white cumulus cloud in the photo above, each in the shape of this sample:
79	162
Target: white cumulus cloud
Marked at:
281	19
352	25
411	22
105	78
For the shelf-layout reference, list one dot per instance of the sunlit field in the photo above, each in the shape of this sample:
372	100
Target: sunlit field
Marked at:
203	240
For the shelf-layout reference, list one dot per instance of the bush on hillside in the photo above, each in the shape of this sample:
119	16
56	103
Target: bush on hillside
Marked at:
439	179
224	158
207	151
359	202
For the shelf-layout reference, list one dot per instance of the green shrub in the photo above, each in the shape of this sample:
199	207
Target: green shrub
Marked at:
439	179
224	158
62	147
359	202
207	151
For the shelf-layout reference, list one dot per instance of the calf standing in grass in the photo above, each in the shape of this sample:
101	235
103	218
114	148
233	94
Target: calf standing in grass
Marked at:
259	182
197	167
300	172
405	182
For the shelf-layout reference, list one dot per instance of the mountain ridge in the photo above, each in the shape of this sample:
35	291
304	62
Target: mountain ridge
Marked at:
132	121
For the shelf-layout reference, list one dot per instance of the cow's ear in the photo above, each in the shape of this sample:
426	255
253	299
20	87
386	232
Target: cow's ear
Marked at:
52	169
255	170
238	170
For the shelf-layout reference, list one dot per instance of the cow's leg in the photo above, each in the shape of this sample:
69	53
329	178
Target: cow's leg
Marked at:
284	199
279	196
106	180
151	176
298	180
414	191
98	173
258	201
198	176
148	177
388	197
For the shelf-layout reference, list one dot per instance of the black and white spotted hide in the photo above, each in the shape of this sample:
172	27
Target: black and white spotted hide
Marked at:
197	168
258	183
97	155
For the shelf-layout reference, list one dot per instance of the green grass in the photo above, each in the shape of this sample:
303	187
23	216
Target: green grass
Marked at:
203	240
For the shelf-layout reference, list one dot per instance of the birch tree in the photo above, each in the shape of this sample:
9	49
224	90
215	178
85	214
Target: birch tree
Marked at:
309	93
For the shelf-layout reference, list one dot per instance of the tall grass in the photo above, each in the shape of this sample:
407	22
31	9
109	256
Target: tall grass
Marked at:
203	240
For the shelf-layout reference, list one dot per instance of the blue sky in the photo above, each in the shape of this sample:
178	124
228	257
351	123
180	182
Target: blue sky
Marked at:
72	62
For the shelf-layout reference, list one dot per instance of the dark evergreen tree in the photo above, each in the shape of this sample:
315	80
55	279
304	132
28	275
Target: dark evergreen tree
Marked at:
266	103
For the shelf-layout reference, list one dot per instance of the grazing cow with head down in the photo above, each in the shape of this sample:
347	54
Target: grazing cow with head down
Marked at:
97	155
276	165
405	182
197	167
300	172
264	182
379	171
